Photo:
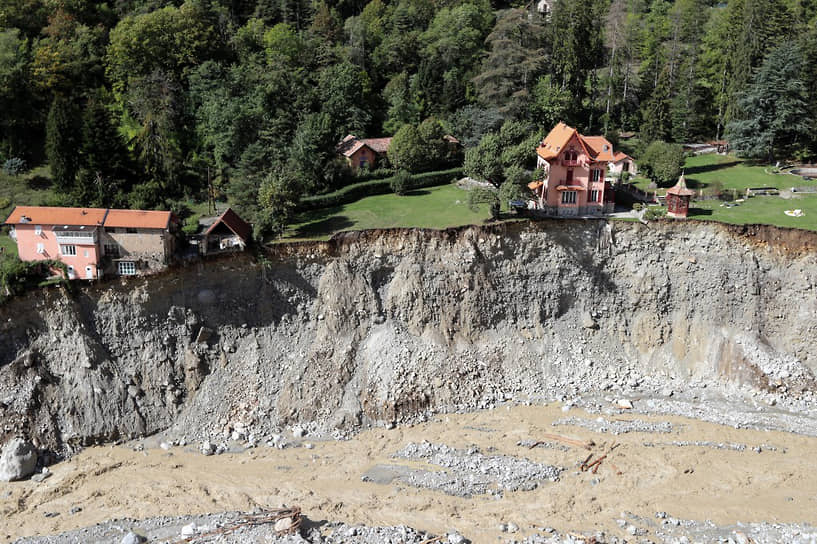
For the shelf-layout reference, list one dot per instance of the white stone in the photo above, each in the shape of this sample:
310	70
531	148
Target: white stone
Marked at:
132	538
283	524
624	404
189	530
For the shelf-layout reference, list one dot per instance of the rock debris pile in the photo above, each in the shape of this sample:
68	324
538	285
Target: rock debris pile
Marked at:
386	327
601	425
469	472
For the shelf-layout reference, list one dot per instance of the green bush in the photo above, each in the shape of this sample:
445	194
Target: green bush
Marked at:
191	225
638	206
17	276
5	202
356	191
14	166
654	213
401	182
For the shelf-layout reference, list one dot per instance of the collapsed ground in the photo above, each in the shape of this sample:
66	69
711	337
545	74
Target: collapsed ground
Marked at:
378	329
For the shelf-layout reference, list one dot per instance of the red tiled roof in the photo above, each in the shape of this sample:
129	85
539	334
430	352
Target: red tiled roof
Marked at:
378	145
620	156
555	141
598	148
601	148
680	188
351	143
140	219
46	215
233	222
346	144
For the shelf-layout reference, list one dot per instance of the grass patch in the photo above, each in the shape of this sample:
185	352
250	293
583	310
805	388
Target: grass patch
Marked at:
30	189
433	207
760	209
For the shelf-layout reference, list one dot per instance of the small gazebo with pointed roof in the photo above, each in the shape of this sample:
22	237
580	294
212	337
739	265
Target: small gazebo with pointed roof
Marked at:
678	198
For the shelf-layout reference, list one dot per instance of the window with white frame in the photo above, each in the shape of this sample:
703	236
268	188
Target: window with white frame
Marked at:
40	248
594	196
126	268
595	175
38	229
568	197
68	250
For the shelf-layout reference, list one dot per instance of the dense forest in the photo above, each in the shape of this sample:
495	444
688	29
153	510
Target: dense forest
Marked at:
150	103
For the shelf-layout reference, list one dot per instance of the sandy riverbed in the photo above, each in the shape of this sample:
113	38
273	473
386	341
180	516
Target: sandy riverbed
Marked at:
688	482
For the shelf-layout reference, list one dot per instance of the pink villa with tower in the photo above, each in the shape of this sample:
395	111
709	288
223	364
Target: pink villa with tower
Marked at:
575	169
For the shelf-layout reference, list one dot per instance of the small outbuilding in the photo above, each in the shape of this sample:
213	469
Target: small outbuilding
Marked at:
678	198
227	233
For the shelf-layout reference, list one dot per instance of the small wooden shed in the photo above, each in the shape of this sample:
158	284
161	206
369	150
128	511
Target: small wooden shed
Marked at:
227	233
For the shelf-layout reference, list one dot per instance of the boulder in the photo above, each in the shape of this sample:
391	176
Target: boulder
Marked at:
133	538
587	321
18	461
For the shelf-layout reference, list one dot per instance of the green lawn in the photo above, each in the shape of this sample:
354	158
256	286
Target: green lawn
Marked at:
30	189
729	172
432	207
710	172
760	209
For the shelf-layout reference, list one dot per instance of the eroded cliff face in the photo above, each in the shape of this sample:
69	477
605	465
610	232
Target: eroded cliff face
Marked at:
379	325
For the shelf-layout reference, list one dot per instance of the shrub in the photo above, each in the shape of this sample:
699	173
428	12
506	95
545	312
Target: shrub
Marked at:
401	182
654	213
4	202
663	162
14	166
638	206
191	225
480	196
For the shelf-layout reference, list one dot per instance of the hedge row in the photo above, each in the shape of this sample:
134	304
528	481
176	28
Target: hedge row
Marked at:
356	191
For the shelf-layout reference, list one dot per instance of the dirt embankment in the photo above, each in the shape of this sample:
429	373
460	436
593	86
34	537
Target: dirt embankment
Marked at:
384	325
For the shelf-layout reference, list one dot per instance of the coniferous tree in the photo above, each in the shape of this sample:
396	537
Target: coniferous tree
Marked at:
103	157
62	142
775	121
657	122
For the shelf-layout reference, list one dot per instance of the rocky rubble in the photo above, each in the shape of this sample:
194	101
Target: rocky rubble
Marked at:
226	528
469	472
384	327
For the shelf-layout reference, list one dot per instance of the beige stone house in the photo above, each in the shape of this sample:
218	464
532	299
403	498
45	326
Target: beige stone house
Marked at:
137	241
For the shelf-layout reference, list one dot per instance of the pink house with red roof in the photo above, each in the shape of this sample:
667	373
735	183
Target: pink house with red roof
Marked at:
575	170
93	241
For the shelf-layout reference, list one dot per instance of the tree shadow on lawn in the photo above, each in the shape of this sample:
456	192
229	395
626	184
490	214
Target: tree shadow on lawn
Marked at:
692	170
417	192
322	224
699	212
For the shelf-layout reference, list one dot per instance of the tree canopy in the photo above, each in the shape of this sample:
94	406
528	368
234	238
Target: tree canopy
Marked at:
254	95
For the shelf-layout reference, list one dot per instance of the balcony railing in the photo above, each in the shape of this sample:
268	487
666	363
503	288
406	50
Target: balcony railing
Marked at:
573	163
73	237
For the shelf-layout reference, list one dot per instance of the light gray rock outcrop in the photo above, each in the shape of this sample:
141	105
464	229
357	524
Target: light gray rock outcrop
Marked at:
18	460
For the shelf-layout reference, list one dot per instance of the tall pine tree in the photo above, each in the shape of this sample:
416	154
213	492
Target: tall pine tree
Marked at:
62	142
775	121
